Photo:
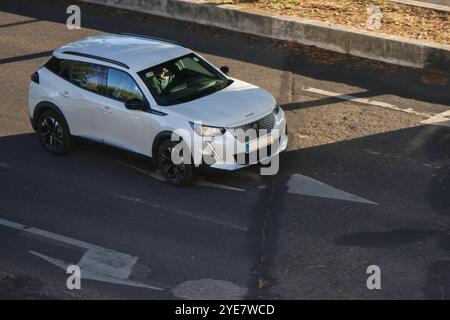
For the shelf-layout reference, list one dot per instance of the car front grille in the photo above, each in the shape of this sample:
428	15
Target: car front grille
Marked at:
250	131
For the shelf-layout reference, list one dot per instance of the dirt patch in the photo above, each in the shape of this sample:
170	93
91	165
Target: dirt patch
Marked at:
397	19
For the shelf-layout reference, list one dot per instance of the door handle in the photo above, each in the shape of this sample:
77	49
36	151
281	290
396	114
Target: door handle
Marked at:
107	109
65	94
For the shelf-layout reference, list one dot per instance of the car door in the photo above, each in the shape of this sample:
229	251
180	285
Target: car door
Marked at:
128	129
78	95
86	99
66	96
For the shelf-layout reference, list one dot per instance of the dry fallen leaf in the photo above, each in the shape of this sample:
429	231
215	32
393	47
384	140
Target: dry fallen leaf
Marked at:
398	19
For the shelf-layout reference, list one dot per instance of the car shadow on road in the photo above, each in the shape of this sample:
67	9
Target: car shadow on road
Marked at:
405	172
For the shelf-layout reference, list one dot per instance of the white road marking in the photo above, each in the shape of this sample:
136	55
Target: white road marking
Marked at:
12	224
300	184
440	119
49	235
154	175
200	182
108	262
205	183
375	153
98	263
365	101
97	270
209	289
184	213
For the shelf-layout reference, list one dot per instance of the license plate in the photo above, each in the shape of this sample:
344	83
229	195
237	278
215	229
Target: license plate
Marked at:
258	144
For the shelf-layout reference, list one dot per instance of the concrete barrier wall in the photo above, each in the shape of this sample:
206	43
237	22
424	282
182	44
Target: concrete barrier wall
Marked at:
371	45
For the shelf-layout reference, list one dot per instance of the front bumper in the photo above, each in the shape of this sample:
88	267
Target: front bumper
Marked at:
232	166
226	152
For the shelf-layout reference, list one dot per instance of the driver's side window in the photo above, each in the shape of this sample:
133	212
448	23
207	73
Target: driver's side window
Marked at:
121	86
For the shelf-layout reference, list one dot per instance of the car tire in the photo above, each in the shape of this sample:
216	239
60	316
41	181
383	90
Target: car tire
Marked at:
54	133
176	174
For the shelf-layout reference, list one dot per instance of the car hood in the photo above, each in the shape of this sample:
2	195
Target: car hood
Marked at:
238	103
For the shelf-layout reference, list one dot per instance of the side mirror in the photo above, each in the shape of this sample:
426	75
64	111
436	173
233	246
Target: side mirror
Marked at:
225	69
136	104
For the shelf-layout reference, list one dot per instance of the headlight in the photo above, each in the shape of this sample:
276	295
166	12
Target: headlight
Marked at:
207	131
276	109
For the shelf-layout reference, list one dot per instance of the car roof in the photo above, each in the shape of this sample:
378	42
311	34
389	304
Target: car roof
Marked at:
135	51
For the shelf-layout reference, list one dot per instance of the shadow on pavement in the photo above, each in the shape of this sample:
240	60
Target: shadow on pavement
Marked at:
299	230
260	51
323	243
26	57
18	23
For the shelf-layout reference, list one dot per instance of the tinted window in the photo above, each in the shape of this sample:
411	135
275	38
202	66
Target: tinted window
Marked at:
59	67
87	76
183	79
121	86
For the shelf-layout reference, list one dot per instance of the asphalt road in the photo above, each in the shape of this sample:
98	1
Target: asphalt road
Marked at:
361	184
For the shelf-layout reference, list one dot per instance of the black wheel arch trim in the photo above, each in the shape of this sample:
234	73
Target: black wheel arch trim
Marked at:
42	107
160	138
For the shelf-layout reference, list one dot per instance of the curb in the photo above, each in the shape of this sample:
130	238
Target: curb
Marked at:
428	5
382	47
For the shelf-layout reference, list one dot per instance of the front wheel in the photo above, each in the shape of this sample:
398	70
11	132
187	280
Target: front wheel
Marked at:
176	174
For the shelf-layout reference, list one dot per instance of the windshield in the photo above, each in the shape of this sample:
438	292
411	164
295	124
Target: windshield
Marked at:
182	79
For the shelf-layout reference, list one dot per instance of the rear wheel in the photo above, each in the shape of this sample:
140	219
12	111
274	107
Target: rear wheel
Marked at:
54	133
181	174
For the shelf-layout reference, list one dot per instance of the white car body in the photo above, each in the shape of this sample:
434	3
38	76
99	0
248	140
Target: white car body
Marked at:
103	119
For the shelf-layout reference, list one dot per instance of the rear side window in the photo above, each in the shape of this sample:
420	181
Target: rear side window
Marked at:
87	76
59	67
121	86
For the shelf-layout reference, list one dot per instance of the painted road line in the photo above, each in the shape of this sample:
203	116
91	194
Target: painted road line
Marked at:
440	119
184	213
49	235
97	263
154	175
365	101
303	185
199	182
98	270
372	152
209	184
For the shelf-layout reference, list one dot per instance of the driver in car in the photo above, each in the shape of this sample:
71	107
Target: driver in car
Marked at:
164	78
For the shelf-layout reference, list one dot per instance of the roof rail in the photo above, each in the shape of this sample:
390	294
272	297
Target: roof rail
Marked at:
150	38
97	58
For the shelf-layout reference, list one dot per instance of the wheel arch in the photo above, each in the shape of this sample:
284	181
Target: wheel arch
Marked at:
160	138
43	106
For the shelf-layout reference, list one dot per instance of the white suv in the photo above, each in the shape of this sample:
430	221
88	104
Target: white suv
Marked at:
135	92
